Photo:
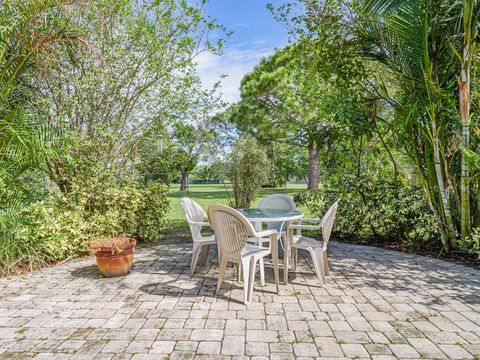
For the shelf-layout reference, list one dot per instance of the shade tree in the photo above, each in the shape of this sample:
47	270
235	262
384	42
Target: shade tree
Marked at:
135	69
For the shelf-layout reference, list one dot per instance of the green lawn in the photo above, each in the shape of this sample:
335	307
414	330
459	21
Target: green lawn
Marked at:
206	195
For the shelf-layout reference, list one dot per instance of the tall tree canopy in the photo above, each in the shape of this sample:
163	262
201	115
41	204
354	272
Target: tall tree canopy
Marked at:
135	68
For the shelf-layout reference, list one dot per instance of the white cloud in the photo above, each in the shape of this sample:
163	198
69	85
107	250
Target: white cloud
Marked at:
235	63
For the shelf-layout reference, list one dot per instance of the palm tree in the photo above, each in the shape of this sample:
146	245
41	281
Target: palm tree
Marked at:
469	31
28	27
417	40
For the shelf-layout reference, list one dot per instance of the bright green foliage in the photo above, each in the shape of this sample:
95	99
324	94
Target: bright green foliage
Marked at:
289	162
152	211
134	70
54	231
62	226
471	244
249	168
27	30
427	46
189	144
216	170
375	207
282	103
401	68
80	84
156	160
175	153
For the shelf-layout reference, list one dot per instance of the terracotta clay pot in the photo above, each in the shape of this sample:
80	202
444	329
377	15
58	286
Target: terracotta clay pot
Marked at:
116	263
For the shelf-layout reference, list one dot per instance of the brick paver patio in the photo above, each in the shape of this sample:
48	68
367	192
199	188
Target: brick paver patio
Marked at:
379	304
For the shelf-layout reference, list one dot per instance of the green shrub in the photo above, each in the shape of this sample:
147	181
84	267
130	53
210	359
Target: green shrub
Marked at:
61	233
248	168
153	210
132	209
18	253
62	226
471	244
375	207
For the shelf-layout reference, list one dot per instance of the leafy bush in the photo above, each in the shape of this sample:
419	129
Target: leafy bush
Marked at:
248	167
62	226
375	207
471	244
59	232
132	209
152	211
18	253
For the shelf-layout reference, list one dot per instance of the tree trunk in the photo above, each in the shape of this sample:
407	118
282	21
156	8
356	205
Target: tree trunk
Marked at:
413	176
477	210
184	181
56	174
464	85
392	158
444	197
313	167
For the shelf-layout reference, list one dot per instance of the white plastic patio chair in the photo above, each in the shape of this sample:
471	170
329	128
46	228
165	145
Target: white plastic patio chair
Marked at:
277	202
232	231
195	217
317	249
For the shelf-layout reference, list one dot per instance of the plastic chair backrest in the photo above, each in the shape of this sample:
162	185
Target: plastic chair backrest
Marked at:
278	201
327	221
232	230
193	213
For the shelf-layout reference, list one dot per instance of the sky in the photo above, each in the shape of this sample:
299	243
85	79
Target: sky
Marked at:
256	34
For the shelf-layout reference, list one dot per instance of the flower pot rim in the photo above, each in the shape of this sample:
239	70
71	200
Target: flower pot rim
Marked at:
108	249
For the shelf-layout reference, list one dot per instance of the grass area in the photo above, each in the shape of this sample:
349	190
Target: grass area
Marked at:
177	230
207	195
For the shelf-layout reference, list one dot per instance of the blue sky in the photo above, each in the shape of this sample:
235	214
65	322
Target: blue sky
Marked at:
256	34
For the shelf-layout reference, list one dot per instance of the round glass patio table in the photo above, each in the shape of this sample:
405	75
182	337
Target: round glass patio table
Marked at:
259	216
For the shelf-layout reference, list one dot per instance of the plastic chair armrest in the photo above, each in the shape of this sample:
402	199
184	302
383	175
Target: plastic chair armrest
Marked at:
201	223
265	233
300	221
305	227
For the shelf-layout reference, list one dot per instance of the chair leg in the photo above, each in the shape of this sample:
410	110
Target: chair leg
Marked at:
221	274
238	267
325	263
246	278
317	258
205	251
285	261
195	254
295	258
252	269
262	272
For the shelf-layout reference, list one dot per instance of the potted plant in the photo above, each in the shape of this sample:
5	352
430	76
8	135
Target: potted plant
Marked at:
114	254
